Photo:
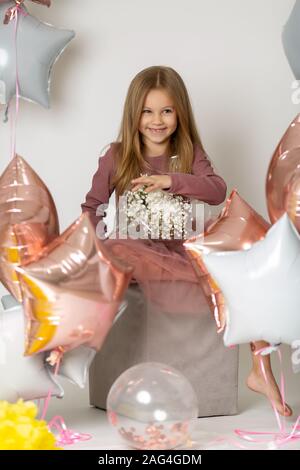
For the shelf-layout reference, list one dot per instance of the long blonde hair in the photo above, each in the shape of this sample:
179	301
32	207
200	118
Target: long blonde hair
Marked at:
129	155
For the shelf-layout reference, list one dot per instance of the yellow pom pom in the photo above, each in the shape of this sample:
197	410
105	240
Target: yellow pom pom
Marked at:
20	430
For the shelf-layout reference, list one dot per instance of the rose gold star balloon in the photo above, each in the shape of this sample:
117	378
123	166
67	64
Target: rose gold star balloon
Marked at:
72	291
292	199
26	201
237	228
282	187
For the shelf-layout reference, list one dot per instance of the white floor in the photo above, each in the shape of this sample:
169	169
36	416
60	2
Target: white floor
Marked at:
255	414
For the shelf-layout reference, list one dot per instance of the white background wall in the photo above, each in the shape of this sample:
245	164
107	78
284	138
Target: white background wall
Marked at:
228	52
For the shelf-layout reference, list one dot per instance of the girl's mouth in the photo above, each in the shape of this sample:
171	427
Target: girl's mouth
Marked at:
157	131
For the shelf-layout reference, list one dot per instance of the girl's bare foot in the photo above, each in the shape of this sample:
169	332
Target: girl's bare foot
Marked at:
257	383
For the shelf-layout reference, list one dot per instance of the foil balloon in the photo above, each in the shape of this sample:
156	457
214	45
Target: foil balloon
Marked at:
38	46
75	364
282	187
16	6
261	287
8	301
21	377
28	220
295	357
152	406
237	228
72	291
291	40
292	199
47	3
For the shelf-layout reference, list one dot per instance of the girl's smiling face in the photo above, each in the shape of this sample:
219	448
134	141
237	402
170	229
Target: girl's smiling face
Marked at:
158	120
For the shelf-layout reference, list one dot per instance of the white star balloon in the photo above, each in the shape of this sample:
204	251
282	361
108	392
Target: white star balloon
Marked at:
20	376
38	46
261	287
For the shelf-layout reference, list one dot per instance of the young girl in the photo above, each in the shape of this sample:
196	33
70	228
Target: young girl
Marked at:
157	126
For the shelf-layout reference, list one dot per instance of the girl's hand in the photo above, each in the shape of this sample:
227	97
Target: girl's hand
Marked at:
153	182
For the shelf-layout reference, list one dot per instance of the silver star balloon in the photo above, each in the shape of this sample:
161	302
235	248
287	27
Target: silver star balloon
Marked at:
39	45
261	287
291	40
75	365
21	377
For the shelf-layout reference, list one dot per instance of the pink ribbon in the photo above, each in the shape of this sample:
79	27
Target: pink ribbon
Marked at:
274	439
17	9
65	435
58	356
277	438
12	12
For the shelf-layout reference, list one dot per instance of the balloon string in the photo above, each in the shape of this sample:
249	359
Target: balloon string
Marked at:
65	435
49	394
15	15
12	12
281	437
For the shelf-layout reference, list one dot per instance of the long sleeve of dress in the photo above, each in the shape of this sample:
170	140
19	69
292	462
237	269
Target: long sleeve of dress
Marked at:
203	184
101	189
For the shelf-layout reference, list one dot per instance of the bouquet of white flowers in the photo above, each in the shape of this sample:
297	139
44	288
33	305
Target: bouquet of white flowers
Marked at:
157	215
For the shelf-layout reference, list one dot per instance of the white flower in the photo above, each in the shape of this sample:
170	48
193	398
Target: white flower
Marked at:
161	215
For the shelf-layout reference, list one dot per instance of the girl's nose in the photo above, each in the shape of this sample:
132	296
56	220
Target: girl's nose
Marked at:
157	119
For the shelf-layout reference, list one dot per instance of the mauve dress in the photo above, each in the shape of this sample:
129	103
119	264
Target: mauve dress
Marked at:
162	268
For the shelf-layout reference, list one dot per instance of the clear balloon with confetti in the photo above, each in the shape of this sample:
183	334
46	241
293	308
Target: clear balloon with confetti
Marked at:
153	406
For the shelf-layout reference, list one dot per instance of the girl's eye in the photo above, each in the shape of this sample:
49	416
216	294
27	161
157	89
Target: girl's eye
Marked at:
167	111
